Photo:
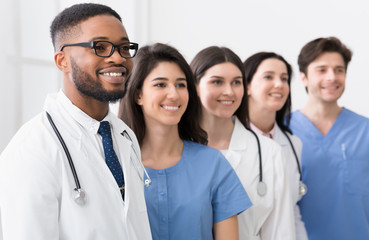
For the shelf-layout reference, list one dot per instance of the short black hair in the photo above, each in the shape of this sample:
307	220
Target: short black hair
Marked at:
72	16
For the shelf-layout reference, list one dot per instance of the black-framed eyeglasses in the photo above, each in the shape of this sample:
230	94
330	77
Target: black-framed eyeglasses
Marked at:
106	49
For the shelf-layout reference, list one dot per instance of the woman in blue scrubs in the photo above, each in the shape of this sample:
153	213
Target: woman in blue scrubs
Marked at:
195	194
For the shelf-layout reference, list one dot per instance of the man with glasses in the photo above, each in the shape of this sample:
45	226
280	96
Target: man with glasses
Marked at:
69	173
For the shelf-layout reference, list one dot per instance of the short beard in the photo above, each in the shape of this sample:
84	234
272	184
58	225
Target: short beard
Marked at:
89	86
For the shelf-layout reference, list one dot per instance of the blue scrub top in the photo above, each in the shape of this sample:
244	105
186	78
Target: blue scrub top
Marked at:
335	169
184	201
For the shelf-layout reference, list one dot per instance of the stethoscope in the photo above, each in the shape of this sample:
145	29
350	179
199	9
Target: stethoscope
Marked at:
79	194
262	187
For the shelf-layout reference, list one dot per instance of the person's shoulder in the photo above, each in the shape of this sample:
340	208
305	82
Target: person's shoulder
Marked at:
203	153
351	114
295	115
30	131
31	144
198	147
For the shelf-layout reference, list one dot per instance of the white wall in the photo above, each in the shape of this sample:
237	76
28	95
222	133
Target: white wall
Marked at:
245	26
282	26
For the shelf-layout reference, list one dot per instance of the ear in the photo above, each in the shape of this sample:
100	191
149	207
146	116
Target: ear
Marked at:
62	62
138	97
304	79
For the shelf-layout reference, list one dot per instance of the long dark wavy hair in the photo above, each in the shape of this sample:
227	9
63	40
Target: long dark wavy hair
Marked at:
251	64
214	55
145	61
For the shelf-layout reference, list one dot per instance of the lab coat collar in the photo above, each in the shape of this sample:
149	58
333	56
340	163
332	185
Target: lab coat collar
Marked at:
238	144
280	138
239	132
269	134
60	100
59	104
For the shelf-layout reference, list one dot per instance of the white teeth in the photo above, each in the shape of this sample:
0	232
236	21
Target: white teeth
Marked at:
226	102
171	108
112	74
276	95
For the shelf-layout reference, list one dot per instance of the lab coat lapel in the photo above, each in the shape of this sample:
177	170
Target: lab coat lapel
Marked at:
237	144
280	138
125	154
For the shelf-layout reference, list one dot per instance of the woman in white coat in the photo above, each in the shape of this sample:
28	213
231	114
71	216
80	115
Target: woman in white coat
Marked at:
268	77
220	82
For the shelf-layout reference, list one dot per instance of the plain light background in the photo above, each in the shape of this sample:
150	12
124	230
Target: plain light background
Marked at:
28	72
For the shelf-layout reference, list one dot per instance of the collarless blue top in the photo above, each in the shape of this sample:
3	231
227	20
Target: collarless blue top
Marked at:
184	201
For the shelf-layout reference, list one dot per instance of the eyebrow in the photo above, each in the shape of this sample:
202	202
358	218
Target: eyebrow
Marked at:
166	79
106	38
215	76
272	72
220	77
322	66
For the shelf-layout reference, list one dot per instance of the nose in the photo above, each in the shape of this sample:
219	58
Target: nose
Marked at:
116	57
172	93
278	83
228	90
331	74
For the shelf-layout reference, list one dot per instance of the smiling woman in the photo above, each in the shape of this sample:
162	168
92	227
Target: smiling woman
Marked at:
193	186
258	162
268	77
164	96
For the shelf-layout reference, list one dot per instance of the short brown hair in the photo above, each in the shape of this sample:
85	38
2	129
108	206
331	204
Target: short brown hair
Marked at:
313	49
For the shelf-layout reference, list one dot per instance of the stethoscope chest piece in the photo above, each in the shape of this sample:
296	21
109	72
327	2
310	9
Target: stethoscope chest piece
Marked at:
262	189
302	188
147	182
79	196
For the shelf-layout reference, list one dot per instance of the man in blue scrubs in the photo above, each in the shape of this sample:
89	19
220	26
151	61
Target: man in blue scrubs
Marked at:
335	156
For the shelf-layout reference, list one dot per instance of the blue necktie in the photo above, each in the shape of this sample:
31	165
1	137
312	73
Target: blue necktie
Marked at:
110	156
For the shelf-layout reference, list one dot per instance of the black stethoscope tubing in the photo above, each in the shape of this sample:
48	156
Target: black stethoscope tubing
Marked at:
294	153
261	163
79	194
259	153
71	164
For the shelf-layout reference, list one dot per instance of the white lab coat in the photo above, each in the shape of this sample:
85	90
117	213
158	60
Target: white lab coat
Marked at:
293	175
36	182
271	216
